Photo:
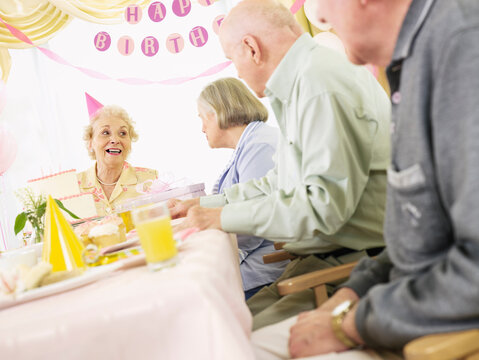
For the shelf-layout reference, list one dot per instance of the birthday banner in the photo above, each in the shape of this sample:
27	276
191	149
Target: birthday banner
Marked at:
198	37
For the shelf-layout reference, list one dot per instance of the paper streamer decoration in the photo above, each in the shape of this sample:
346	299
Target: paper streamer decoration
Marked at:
61	247
8	149
296	6
97	75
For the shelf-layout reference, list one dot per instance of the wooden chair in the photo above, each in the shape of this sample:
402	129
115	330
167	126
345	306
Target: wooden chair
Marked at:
316	280
278	255
462	345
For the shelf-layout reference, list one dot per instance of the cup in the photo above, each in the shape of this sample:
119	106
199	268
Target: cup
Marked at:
126	217
153	225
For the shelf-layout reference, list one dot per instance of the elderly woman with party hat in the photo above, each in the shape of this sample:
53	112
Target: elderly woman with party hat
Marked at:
108	139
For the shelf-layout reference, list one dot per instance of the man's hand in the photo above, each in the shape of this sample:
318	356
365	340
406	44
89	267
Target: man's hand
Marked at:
179	208
201	218
313	333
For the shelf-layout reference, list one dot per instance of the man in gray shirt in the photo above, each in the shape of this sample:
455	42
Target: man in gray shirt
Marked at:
428	281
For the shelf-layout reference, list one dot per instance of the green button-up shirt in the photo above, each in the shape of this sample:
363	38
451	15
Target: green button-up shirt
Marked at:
328	187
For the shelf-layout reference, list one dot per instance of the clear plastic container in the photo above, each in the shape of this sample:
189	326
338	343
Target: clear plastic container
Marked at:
185	192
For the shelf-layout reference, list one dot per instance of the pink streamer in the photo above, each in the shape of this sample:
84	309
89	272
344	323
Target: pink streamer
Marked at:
97	75
3	95
298	4
3	232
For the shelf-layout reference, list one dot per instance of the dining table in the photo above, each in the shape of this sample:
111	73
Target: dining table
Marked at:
193	310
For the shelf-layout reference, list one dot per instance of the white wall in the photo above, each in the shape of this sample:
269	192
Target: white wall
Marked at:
46	106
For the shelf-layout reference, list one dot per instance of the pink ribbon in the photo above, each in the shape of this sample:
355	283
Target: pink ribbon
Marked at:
298	4
97	75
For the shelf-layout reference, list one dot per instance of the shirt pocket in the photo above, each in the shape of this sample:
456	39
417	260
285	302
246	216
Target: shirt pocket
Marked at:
416	226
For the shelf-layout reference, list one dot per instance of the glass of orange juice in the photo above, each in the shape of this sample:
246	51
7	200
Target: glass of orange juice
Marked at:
153	224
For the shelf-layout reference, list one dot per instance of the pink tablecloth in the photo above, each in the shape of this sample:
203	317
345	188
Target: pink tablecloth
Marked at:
195	310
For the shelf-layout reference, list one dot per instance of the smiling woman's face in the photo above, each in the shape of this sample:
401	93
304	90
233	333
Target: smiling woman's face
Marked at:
111	141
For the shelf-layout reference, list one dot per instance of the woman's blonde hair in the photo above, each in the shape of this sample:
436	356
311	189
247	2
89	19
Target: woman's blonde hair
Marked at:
233	103
109	111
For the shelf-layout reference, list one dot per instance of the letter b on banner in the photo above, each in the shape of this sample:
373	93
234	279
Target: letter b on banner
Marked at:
102	41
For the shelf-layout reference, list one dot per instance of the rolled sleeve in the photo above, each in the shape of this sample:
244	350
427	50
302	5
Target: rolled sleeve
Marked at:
212	201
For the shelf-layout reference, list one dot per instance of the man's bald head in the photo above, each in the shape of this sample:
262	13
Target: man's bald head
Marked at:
260	18
256	34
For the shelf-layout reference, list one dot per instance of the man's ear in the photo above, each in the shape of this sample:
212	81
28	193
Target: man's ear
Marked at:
252	47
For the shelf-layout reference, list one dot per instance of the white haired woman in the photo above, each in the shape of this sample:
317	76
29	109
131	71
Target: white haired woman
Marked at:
108	138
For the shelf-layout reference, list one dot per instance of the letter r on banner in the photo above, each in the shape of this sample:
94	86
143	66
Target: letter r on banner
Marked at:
149	46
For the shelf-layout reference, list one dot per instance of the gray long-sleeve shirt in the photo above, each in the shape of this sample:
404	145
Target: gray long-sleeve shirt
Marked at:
431	283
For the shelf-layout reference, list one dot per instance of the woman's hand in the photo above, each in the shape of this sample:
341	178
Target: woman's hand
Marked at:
179	208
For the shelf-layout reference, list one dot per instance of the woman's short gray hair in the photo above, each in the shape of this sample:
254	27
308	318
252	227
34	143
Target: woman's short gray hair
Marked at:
233	103
109	111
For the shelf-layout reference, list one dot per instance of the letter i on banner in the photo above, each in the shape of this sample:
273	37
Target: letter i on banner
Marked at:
126	45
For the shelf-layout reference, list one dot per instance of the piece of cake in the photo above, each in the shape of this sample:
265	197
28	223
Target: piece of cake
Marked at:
108	231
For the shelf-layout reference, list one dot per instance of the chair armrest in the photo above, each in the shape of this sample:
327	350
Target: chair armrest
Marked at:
315	278
277	256
445	346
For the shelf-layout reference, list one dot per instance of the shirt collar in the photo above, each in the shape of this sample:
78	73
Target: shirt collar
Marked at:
411	25
281	82
248	129
127	177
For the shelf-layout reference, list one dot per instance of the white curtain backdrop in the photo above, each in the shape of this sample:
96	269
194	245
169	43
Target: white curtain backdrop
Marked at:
46	111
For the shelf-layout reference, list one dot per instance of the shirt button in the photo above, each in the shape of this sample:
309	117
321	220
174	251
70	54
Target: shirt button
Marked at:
396	97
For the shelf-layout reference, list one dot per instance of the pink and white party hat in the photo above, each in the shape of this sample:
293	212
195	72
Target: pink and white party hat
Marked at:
93	105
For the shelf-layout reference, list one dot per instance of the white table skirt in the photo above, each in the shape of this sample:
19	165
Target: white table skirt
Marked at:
195	310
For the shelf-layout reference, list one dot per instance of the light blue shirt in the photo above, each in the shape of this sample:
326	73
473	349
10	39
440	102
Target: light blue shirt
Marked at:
252	159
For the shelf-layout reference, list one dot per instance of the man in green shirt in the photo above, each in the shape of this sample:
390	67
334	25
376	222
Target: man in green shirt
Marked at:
326	195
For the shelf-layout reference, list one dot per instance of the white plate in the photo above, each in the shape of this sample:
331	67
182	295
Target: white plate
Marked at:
88	277
133	241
